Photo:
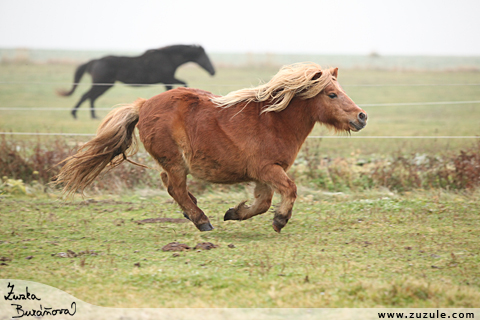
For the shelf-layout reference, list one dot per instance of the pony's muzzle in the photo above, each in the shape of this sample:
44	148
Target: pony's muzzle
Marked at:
360	123
362	118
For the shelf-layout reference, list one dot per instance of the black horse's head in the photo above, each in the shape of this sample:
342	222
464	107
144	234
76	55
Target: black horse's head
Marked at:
180	54
200	56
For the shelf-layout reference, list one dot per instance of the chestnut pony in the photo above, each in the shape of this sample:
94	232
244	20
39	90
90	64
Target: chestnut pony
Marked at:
249	135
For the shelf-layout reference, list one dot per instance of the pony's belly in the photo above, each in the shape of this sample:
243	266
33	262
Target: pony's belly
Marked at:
217	171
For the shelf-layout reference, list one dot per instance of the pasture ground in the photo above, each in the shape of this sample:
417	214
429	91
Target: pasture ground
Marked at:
353	249
339	250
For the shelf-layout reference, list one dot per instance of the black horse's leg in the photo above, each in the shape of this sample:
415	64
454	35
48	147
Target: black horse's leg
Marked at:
85	96
169	84
96	92
180	82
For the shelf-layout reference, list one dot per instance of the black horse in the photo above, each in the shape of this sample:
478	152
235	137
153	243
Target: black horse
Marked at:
154	66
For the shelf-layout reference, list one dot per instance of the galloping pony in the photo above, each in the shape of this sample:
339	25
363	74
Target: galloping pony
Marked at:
154	66
249	135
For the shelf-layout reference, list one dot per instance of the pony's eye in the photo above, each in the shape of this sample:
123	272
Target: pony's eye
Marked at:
332	95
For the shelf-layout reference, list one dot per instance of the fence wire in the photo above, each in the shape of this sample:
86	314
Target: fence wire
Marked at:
223	84
310	137
392	104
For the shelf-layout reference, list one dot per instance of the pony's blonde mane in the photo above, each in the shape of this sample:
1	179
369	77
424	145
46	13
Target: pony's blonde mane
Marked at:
296	79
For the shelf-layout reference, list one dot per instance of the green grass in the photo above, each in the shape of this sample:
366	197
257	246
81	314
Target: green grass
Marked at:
346	250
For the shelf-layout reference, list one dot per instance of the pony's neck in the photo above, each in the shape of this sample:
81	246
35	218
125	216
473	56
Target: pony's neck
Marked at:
298	119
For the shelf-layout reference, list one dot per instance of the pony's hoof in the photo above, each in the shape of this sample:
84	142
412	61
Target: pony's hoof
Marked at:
278	226
231	214
186	217
205	227
74	115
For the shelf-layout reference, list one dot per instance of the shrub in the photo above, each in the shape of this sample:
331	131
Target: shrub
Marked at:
36	161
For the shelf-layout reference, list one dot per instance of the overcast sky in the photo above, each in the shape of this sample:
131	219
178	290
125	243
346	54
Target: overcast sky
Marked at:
412	27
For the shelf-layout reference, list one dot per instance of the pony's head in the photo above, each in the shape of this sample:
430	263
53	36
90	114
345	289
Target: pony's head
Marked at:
334	108
307	81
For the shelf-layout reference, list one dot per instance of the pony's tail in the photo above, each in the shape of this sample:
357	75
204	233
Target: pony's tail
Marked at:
76	79
115	141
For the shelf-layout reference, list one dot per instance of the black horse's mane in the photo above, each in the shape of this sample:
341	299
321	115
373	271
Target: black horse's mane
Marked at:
173	48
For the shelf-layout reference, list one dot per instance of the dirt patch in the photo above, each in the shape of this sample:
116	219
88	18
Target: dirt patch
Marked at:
175	246
205	246
161	220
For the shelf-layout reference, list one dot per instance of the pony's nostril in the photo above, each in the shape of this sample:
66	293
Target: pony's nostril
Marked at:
362	116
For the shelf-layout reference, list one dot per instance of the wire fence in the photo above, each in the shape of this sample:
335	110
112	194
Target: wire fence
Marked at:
390	104
224	84
310	137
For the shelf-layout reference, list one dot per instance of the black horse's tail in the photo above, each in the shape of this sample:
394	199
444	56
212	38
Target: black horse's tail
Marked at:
78	75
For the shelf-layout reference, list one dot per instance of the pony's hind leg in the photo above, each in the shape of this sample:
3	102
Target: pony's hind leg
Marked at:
164	177
263	200
276	177
176	184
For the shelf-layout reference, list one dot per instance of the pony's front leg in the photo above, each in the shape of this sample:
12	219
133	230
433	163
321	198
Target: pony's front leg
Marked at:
263	194
278	179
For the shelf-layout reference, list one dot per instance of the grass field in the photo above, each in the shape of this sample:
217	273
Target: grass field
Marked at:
349	250
366	247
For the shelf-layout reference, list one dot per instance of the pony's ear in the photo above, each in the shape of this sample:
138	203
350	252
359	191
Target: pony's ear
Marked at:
317	75
335	72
